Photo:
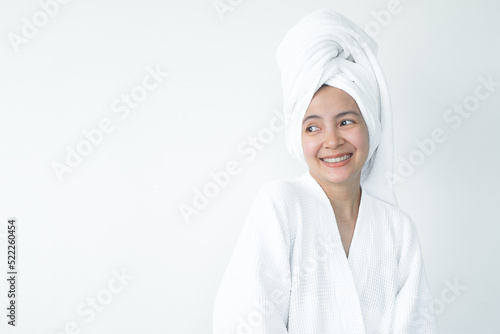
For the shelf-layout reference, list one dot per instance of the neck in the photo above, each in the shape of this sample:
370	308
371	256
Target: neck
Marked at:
344	198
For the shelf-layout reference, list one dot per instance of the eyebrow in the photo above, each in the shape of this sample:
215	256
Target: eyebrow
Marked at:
339	115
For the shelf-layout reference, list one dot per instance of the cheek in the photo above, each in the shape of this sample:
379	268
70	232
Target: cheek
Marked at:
310	146
360	140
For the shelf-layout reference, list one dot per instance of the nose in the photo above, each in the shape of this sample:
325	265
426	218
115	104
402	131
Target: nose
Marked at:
332	138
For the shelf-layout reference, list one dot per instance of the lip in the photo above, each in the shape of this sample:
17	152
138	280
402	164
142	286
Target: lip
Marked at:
337	164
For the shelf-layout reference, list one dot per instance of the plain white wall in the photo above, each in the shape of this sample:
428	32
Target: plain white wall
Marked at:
118	209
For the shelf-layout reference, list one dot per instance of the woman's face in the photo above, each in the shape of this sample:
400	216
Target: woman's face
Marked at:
334	137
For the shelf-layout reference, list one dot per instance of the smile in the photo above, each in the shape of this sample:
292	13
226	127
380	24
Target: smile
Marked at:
339	159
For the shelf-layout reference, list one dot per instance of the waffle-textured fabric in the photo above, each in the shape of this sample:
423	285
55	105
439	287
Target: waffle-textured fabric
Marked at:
289	272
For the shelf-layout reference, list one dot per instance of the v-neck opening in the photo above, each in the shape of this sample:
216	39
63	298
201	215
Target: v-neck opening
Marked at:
358	222
359	219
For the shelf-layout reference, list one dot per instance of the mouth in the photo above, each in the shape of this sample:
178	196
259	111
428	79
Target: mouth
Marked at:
335	160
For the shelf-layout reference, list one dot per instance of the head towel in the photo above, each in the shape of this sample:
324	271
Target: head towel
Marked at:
327	48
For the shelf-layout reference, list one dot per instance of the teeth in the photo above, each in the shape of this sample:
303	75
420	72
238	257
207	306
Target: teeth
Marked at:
339	159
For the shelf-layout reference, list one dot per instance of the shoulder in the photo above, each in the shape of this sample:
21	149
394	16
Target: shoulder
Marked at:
400	222
397	215
280	198
274	210
281	191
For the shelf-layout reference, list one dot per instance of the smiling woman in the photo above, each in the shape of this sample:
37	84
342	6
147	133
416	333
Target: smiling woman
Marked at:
368	276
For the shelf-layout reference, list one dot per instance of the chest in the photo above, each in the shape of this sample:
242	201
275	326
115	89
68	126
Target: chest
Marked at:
346	231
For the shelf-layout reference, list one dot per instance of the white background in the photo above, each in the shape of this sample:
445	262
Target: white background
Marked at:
119	209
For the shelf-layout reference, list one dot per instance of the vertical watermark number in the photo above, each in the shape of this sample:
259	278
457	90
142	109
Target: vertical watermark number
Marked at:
11	271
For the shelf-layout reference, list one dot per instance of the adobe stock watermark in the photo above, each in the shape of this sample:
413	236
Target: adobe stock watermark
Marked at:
324	250
382	18
31	27
447	296
454	117
224	6
253	321
88	309
247	149
94	137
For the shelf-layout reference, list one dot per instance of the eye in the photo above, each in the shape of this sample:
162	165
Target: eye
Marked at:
309	127
346	120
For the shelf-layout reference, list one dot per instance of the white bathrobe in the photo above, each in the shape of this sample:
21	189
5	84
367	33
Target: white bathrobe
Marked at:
289	272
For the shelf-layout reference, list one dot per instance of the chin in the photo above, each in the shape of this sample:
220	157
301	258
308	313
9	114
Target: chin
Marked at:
338	177
336	180
331	177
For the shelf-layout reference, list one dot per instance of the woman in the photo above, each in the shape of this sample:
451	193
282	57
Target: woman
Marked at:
329	251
